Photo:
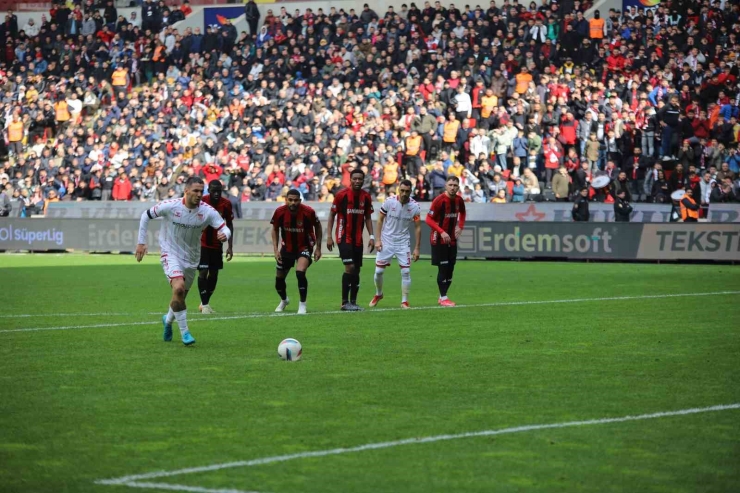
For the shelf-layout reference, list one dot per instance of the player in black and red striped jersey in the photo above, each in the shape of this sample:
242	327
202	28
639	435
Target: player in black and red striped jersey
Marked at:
352	209
446	217
295	232
211	249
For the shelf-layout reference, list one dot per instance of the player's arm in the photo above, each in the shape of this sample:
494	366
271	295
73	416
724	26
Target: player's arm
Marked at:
229	219
369	224
141	243
275	233
318	230
159	210
460	220
330	228
434	224
417	237
379	229
276	241
217	222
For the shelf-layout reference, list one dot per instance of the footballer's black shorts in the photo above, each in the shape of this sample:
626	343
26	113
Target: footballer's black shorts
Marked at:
211	259
444	254
288	260
350	254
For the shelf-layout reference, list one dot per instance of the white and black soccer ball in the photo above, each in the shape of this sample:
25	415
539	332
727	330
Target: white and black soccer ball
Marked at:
290	350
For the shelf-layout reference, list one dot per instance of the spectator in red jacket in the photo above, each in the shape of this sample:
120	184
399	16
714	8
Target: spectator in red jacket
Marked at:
122	186
212	172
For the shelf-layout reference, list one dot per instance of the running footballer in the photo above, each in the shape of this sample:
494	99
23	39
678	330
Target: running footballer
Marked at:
211	251
295	232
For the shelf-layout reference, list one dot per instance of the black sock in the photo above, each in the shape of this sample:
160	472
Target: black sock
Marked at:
212	281
442	280
203	290
355	287
302	284
280	287
346	282
450	271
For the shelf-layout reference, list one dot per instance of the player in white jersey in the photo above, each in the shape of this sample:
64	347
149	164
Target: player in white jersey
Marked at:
392	230
183	221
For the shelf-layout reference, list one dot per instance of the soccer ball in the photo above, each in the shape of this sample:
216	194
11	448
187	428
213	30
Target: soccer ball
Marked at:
290	350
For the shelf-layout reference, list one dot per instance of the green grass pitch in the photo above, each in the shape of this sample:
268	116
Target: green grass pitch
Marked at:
102	396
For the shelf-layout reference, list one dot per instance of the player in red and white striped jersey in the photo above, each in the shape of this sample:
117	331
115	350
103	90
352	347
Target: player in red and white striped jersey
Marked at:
179	241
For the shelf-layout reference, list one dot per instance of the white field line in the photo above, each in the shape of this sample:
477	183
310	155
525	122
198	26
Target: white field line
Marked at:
128	314
376	310
181	487
133	480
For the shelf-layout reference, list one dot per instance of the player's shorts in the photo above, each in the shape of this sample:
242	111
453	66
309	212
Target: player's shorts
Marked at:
173	270
288	260
350	254
211	259
402	253
444	254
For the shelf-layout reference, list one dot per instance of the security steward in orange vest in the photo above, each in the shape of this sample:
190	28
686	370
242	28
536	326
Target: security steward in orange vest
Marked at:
596	26
412	156
15	136
689	208
449	133
119	79
61	110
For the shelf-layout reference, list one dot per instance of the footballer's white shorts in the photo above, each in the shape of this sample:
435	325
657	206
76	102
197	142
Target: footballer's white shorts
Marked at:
173	269
402	253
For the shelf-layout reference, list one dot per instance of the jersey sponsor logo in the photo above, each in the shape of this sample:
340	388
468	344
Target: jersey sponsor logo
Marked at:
293	230
355	211
189	226
451	215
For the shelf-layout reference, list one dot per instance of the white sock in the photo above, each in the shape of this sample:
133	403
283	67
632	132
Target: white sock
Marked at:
379	280
302	304
405	283
442	298
170	315
182	320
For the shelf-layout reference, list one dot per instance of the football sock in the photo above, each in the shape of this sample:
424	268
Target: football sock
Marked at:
346	282
379	280
450	270
302	284
182	320
203	290
212	281
354	288
405	283
442	280
170	315
280	287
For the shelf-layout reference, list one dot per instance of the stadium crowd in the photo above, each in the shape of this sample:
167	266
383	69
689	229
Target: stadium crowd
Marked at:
520	101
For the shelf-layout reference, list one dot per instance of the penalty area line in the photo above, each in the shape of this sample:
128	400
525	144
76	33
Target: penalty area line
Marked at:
134	480
378	310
